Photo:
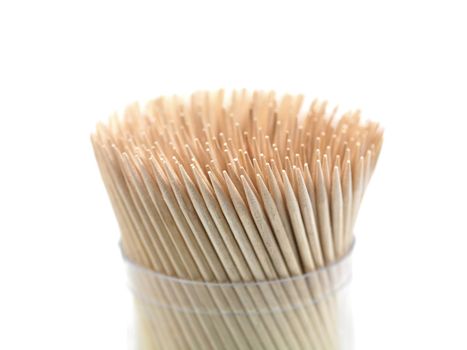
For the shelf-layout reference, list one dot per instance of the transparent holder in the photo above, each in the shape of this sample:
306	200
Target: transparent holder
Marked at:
310	311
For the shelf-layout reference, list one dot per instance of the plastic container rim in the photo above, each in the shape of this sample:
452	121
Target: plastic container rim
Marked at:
344	259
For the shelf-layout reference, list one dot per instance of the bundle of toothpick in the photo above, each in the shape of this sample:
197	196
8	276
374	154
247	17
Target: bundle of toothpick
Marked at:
235	191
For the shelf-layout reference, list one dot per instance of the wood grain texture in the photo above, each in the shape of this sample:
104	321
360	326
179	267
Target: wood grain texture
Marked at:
233	188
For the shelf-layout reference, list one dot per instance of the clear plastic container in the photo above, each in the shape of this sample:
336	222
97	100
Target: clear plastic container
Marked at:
311	311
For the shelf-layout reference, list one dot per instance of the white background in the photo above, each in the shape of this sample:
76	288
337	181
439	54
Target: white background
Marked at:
64	66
